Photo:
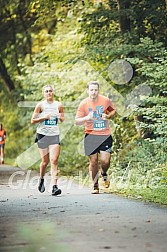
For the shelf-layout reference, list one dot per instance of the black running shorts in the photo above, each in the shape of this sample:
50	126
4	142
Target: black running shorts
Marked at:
44	141
96	143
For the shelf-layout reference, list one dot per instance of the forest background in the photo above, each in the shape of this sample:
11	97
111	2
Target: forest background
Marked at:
68	43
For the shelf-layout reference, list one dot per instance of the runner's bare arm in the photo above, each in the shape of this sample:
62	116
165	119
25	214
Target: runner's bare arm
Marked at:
61	113
82	120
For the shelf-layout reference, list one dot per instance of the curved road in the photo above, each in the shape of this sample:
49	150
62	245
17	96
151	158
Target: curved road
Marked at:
76	221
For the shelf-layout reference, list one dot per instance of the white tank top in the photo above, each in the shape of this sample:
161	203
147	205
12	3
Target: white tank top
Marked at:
49	127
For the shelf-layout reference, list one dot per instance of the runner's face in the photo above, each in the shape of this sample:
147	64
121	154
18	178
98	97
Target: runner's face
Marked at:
93	91
48	93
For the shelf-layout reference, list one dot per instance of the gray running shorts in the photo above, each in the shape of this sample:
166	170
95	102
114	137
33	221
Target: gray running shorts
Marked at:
96	143
43	141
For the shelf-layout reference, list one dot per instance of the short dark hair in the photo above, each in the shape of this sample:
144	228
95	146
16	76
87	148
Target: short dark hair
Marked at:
93	83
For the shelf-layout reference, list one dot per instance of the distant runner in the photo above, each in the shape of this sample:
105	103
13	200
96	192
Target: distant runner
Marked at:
94	112
2	143
47	113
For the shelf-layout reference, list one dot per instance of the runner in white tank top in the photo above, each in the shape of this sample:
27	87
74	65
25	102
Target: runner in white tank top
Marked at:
47	114
49	127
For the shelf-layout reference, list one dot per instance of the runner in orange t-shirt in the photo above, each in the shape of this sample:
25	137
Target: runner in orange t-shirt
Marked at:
2	143
94	112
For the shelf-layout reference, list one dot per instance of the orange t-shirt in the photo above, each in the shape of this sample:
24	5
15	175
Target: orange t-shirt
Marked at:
96	126
2	136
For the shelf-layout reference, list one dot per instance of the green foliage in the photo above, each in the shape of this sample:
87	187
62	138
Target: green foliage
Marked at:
140	169
102	23
153	70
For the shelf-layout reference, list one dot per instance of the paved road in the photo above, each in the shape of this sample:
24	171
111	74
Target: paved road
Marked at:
76	221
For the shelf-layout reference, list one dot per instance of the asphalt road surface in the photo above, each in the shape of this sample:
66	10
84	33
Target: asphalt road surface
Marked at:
75	221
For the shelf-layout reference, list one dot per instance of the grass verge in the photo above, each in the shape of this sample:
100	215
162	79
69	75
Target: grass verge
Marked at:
155	195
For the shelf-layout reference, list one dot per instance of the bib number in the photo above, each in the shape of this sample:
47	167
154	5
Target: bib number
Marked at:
99	125
52	122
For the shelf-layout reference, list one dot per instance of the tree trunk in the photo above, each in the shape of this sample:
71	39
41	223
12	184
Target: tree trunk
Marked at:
5	77
28	36
124	21
166	3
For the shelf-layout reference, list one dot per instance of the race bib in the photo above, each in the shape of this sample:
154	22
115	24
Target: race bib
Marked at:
51	122
0	138
99	125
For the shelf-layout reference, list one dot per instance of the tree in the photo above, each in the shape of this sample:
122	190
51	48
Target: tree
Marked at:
124	18
15	39
166	3
136	18
5	77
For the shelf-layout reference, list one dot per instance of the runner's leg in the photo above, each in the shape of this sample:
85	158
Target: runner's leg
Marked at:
2	154
93	168
54	151
45	160
105	161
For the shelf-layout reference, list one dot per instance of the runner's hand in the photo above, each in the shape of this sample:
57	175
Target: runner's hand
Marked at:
58	115
47	116
90	116
104	116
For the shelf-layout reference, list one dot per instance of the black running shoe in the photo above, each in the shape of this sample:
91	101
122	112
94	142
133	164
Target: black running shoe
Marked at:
56	190
41	186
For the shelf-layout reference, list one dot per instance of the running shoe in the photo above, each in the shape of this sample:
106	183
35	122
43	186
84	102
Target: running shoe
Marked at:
95	190
106	184
105	181
55	190
41	186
